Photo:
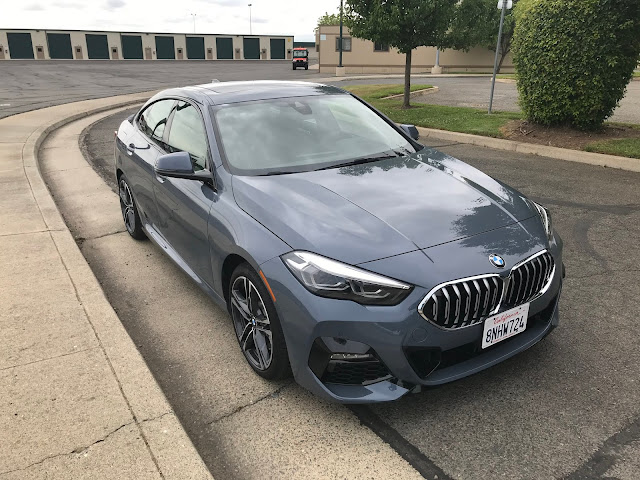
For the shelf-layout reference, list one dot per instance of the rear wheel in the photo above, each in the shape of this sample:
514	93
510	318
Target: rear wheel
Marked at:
257	325
129	210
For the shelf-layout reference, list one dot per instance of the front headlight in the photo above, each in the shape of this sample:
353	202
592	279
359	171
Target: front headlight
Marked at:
329	278
545	216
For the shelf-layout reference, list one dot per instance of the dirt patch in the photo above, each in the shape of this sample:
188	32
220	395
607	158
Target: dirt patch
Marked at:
564	137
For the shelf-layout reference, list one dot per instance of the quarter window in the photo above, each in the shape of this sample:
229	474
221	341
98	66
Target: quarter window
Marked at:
346	44
154	119
187	134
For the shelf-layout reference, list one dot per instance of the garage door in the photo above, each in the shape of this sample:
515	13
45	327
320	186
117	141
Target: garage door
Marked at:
20	45
195	48
251	48
97	47
277	48
131	47
59	45
165	48
224	47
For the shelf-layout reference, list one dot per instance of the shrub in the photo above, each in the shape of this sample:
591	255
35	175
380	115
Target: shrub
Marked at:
574	58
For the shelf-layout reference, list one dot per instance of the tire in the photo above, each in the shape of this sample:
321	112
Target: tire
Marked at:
129	210
293	67
257	325
306	67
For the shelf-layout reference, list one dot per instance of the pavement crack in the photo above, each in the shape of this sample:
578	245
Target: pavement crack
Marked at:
48	358
255	402
75	451
608	454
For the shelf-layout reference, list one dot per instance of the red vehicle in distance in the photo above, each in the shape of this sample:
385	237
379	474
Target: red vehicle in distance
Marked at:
300	58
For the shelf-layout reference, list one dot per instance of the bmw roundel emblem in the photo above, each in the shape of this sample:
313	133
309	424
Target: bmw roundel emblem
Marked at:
497	261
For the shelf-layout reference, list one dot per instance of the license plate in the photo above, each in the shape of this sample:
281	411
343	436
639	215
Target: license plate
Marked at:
505	325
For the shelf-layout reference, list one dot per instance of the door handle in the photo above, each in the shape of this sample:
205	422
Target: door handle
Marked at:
131	147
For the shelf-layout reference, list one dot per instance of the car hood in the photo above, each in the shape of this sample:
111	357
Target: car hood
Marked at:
380	209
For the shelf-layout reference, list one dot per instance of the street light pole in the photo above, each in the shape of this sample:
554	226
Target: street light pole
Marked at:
193	15
495	63
250	19
340	58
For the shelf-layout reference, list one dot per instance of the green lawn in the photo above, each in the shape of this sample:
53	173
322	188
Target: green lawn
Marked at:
636	74
456	119
624	147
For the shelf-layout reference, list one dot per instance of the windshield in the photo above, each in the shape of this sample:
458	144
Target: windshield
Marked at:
300	53
304	133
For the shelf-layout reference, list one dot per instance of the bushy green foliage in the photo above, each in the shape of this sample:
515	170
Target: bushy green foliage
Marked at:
329	19
574	58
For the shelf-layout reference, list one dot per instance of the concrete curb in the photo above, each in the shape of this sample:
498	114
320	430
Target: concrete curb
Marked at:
415	93
599	159
167	443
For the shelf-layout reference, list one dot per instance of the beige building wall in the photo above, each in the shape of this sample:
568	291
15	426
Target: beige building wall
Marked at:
39	39
210	43
113	40
364	59
180	41
4	44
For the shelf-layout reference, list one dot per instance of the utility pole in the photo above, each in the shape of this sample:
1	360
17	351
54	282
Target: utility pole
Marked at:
340	58
250	19
193	15
505	4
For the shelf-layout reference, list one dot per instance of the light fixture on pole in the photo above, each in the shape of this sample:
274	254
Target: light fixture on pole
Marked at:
250	19
503	5
193	15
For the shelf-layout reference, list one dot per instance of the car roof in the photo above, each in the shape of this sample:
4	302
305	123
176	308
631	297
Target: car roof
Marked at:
220	93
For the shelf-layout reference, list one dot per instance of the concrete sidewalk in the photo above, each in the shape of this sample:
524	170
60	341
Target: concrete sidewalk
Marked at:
76	398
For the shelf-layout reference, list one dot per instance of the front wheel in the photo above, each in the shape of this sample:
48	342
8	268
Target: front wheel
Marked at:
257	325
306	67
129	210
293	67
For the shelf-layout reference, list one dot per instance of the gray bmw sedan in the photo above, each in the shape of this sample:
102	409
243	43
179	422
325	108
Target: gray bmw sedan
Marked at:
347	253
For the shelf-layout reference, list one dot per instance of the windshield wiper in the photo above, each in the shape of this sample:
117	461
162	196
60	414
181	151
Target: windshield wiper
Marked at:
367	159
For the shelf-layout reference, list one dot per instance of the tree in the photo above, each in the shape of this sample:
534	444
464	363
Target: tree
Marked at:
476	23
403	24
574	59
329	19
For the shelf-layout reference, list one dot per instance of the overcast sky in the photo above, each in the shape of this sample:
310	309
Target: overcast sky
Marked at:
212	16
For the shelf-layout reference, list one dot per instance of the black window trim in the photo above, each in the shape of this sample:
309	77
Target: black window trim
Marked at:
209	163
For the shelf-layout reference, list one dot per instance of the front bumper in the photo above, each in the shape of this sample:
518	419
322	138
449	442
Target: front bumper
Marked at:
405	343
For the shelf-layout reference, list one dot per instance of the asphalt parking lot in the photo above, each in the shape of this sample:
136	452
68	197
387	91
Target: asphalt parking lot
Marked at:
567	408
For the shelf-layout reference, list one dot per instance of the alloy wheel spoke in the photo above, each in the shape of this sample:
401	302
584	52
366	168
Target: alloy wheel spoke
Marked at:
262	353
241	305
245	336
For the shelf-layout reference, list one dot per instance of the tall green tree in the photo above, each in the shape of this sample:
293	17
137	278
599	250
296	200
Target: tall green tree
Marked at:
476	23
403	24
329	19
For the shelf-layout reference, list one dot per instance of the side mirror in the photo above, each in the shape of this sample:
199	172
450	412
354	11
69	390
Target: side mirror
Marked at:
410	130
178	165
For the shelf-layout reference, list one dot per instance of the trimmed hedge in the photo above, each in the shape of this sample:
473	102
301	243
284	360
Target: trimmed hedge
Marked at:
574	58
